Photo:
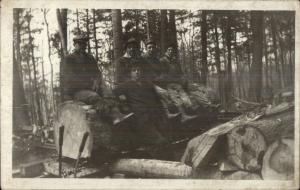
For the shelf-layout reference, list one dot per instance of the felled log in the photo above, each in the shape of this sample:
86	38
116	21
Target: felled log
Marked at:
246	147
278	162
78	118
244	151
276	126
147	168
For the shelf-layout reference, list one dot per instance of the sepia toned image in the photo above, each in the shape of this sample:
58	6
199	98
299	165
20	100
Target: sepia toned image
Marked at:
191	94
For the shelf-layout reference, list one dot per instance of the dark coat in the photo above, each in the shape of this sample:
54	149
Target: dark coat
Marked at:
80	71
171	70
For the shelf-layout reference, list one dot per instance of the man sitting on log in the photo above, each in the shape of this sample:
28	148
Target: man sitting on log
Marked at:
82	81
80	70
134	87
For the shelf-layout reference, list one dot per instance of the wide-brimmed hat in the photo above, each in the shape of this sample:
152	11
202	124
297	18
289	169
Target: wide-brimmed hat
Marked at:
131	41
150	41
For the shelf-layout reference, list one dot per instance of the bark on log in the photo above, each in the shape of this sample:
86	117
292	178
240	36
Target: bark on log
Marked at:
147	168
78	118
280	125
278	162
246	147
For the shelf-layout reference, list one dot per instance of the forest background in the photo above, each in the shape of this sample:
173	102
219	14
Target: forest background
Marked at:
245	55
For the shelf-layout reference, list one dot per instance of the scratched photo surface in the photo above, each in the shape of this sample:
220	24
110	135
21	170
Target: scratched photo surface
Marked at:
149	94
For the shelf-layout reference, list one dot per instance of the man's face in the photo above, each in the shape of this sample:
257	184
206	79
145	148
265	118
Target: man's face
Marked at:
151	49
132	50
80	46
170	51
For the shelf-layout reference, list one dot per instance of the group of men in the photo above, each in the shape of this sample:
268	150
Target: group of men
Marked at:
136	78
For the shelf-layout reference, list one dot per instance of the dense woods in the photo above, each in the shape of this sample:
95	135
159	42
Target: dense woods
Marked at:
246	55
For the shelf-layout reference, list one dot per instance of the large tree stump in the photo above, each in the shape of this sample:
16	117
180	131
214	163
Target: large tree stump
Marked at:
246	147
78	118
278	162
147	168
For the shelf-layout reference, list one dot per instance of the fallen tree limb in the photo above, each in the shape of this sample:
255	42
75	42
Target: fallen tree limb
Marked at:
147	168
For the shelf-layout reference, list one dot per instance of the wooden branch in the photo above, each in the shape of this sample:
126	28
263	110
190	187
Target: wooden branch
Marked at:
147	168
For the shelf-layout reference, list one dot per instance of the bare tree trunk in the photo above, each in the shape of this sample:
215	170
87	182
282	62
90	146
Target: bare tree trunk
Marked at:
267	77
36	89
238	69
62	25
117	36
256	67
282	52
217	57
77	19
95	34
88	30
274	37
204	69
150	24
163	31
20	106
49	57
173	31
117	33
229	66
44	96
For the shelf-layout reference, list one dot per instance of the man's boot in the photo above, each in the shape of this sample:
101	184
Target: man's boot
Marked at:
186	118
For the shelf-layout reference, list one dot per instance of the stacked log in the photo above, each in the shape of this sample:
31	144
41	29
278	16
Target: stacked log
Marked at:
245	146
147	168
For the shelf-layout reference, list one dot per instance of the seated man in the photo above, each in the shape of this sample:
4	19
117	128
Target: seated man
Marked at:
82	81
135	88
173	83
80	72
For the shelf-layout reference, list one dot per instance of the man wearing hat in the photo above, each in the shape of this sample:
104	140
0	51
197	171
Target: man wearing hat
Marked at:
80	71
171	69
134	88
152	61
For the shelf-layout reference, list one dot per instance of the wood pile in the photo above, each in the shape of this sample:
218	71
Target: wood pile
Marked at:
255	145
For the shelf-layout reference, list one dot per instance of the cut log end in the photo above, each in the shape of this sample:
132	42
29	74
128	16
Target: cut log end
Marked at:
278	162
246	147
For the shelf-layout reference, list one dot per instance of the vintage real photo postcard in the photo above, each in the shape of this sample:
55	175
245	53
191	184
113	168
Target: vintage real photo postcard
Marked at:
149	94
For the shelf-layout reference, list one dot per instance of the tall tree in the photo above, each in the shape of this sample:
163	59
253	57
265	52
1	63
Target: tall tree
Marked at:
35	81
49	57
204	68
117	33
229	66
62	19
95	34
150	24
217	55
275	48
173	31
63	32
256	67
88	30
20	106
163	31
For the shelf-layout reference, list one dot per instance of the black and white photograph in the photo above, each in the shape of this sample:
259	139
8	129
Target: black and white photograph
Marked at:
152	93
